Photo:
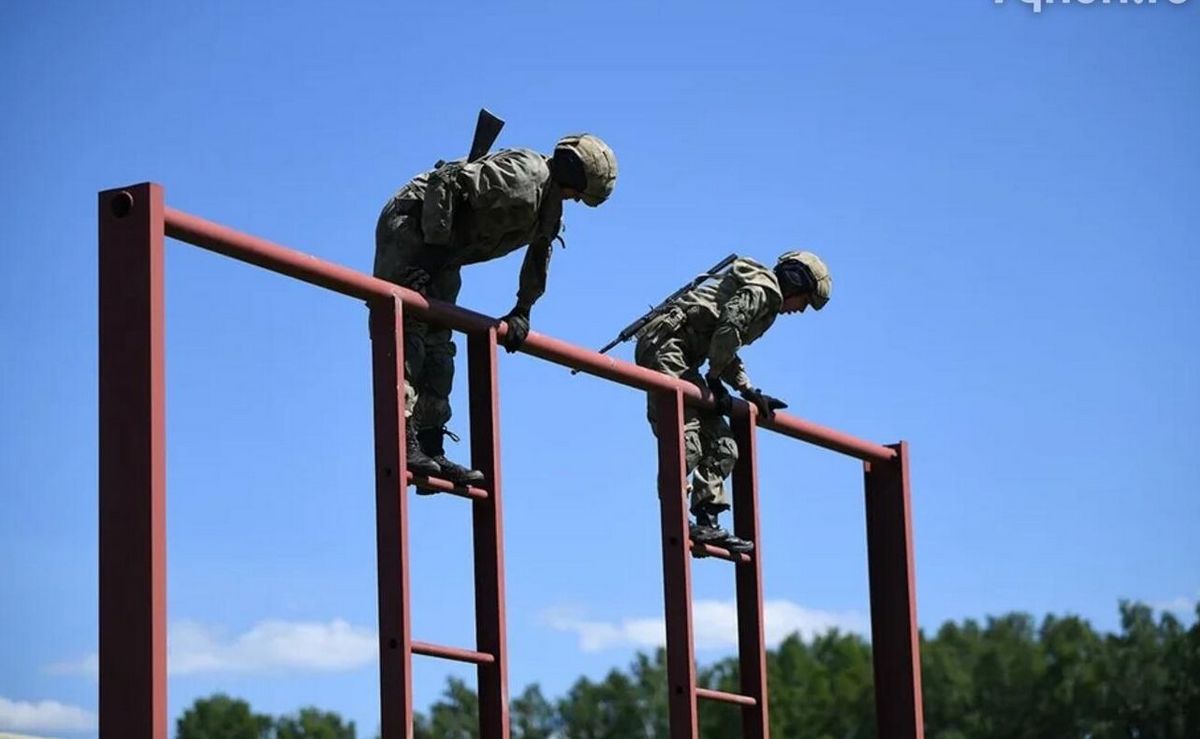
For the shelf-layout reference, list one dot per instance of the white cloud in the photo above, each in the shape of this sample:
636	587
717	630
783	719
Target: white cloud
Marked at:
44	716
1182	605
714	625
784	618
595	636
270	646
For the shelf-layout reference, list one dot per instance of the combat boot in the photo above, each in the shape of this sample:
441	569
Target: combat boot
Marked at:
419	463
706	530
433	445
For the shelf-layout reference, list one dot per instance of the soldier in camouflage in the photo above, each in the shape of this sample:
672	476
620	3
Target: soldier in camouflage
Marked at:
467	212
711	323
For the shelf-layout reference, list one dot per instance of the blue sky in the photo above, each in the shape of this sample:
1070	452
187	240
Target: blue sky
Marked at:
1007	201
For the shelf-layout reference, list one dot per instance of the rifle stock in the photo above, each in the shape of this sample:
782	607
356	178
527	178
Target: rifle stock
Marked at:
487	128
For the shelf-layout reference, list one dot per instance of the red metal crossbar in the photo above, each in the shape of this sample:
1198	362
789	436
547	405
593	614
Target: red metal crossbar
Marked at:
723	697
445	486
453	653
254	250
133	222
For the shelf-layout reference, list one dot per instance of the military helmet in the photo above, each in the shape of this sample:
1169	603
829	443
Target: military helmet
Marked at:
599	165
820	273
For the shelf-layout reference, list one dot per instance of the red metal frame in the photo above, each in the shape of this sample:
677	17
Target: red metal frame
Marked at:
391	518
677	575
894	632
133	222
752	649
133	552
488	535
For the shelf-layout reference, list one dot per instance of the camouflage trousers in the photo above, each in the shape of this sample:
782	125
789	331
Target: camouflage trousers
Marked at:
710	449
402	257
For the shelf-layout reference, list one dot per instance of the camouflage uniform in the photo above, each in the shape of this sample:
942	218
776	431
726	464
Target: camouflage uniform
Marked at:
711	322
460	214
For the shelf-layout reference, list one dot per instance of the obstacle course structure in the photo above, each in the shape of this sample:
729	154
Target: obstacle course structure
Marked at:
134	223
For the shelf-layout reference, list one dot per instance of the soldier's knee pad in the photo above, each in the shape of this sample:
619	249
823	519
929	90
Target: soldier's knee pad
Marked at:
410	399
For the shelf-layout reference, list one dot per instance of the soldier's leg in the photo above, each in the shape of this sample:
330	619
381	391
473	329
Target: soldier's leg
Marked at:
665	353
435	382
718	456
434	378
693	439
397	247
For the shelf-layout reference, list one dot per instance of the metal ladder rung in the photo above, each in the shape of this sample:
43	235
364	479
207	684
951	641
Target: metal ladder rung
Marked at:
700	549
453	653
445	486
718	695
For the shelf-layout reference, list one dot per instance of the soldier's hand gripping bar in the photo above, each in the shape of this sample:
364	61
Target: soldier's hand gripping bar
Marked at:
635	328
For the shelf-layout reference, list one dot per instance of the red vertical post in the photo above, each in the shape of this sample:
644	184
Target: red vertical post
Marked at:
677	576
488	535
894	636
132	481
752	652
391	520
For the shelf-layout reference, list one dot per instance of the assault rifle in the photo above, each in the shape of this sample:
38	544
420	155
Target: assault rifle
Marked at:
635	328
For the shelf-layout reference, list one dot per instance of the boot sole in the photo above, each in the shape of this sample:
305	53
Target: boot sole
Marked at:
738	549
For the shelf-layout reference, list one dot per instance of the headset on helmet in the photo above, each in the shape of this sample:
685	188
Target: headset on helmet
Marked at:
584	159
817	271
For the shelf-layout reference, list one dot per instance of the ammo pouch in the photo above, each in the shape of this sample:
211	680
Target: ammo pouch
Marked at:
430	259
665	323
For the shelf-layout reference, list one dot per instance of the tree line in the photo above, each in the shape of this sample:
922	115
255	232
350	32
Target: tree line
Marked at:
1005	678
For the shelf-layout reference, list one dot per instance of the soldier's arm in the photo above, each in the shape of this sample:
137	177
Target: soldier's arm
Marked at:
735	374
736	316
534	270
532	284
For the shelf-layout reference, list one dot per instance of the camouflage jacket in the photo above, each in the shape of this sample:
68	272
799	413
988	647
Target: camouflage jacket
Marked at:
719	318
491	207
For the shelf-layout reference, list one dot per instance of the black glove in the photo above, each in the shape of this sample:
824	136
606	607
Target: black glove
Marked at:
518	328
722	403
765	403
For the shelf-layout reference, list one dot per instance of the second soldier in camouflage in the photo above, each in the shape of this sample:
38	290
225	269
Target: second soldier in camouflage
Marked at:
710	324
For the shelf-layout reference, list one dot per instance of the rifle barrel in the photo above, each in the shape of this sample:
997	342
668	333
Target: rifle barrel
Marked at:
610	345
634	328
